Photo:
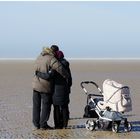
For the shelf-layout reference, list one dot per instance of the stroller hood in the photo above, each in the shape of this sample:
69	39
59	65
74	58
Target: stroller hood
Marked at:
116	96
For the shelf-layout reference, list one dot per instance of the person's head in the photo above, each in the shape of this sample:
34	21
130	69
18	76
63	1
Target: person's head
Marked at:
47	50
59	54
55	48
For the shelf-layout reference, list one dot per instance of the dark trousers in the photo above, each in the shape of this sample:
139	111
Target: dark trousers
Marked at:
61	116
41	108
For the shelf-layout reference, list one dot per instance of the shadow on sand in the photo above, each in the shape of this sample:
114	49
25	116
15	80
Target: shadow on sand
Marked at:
135	125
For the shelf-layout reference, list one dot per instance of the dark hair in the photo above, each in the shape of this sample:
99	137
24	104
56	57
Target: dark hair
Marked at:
55	48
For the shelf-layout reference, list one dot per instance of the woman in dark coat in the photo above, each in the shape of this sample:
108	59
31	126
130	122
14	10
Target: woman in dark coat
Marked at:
61	92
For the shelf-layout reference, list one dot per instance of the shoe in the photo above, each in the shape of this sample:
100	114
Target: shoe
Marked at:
58	127
46	127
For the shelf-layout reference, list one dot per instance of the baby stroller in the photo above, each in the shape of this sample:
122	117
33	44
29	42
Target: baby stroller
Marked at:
107	108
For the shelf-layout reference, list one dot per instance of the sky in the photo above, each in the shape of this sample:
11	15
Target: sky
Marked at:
93	29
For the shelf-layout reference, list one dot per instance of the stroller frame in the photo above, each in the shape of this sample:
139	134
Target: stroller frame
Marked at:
107	119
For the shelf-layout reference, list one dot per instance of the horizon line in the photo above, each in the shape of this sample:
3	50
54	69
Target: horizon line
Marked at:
70	0
70	58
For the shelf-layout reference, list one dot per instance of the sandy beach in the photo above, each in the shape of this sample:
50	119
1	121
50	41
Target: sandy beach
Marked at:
16	98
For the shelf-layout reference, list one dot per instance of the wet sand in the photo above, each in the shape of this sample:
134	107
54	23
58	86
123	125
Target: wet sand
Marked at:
16	98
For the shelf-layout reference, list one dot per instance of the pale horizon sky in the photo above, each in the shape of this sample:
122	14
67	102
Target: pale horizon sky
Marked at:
103	29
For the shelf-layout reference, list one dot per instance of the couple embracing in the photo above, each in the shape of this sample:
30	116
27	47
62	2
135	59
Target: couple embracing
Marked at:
51	85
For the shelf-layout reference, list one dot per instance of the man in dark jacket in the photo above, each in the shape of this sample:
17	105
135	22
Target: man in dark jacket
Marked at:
42	89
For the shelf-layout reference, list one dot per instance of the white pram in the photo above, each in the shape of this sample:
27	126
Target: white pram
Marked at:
109	107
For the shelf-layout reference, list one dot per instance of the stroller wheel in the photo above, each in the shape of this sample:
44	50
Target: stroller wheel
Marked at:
100	124
127	127
90	125
115	127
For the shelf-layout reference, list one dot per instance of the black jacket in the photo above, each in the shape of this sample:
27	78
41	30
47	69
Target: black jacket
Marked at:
62	86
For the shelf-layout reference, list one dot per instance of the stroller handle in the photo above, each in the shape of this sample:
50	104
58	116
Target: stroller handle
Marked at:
90	82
